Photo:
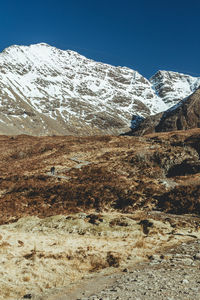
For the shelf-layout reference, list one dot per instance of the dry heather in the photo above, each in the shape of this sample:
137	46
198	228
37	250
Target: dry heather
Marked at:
101	173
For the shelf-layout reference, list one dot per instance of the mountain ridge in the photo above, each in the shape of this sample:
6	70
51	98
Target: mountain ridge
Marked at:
45	91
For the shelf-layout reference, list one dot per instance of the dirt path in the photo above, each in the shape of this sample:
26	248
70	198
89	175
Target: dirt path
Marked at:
80	164
173	275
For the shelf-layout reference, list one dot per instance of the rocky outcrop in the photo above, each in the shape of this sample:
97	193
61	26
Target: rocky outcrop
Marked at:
145	125
185	115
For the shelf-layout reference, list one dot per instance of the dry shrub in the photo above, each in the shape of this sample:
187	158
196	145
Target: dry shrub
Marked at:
145	225
94	219
119	222
140	243
26	278
97	263
31	254
4	245
113	259
181	200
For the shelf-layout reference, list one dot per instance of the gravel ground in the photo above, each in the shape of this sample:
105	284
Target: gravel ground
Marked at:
173	275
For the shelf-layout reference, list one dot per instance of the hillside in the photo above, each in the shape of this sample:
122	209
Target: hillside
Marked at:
122	173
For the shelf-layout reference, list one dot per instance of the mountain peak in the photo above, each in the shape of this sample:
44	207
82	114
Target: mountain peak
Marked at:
41	44
45	90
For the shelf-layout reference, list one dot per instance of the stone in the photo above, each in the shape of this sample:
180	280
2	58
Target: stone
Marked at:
197	256
27	296
184	281
125	270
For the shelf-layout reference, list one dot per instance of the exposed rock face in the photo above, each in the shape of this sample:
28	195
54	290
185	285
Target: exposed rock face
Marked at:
173	87
145	125
45	91
184	115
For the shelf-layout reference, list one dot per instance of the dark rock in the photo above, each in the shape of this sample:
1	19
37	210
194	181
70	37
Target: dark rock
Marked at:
27	296
125	270
94	219
184	115
145	225
197	256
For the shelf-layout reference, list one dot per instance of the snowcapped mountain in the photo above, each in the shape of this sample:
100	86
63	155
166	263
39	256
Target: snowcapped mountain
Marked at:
173	87
44	90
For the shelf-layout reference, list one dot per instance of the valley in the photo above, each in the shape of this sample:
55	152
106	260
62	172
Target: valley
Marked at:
98	174
139	194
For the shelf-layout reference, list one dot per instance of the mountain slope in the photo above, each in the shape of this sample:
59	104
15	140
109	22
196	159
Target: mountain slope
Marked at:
182	116
173	87
44	90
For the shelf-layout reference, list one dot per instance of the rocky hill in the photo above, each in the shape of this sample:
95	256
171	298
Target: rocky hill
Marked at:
45	91
182	116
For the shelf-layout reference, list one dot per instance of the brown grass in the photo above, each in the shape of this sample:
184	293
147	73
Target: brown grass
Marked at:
55	251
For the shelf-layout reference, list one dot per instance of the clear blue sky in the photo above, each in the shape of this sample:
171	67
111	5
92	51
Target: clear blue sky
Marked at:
143	35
